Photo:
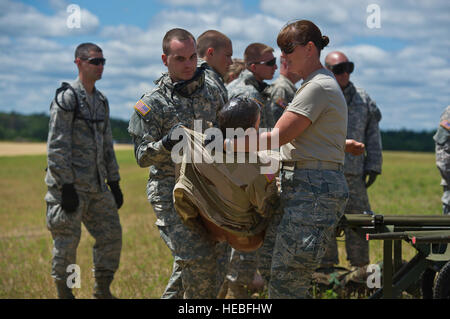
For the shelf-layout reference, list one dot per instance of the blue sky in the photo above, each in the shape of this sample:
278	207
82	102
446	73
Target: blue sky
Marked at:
404	65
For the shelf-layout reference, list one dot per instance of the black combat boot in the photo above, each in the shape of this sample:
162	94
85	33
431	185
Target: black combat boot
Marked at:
101	288
63	291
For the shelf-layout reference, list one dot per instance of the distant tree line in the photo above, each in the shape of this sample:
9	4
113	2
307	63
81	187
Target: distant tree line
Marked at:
19	127
34	128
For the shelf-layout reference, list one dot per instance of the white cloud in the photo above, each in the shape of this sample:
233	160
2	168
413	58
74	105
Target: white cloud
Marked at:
404	65
18	19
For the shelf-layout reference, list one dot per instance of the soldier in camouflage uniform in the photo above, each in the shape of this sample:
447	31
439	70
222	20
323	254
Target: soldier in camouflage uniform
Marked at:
442	139
182	95
215	50
282	90
360	171
81	162
261	65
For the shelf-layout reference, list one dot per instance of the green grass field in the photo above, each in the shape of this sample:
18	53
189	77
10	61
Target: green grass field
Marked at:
409	185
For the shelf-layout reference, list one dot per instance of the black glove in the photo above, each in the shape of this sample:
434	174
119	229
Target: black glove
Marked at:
167	140
117	193
372	176
70	200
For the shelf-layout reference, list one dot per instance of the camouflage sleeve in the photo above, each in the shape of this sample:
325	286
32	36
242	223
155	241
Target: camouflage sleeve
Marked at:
442	139
108	151
277	103
146	132
374	158
59	142
220	96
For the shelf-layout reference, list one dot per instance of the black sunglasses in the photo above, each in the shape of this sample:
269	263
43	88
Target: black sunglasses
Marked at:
342	67
268	63
289	48
96	61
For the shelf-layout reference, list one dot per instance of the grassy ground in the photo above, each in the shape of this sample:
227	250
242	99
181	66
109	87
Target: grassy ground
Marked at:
409	185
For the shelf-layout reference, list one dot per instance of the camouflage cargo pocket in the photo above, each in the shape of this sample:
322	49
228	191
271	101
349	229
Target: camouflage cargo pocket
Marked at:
57	219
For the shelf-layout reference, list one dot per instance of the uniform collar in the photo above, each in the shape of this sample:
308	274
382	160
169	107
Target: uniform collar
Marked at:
349	92
250	79
79	87
206	66
183	88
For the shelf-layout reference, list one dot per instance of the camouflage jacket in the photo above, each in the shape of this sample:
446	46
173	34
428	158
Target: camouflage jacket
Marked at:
215	77
80	144
363	118
442	140
248	86
155	114
282	91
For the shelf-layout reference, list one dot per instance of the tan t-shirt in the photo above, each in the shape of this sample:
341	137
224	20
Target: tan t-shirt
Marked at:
320	99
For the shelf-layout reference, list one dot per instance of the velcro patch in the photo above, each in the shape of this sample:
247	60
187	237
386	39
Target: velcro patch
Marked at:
142	108
281	103
445	124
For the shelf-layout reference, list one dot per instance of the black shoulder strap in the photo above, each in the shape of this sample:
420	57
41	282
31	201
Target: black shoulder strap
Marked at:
66	86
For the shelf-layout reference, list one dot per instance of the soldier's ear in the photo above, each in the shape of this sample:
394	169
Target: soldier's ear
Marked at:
164	59
210	52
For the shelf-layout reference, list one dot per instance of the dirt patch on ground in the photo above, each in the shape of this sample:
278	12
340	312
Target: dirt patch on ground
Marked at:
15	149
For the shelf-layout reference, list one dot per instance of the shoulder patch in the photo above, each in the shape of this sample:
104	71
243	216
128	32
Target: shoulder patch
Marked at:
445	124
142	108
281	103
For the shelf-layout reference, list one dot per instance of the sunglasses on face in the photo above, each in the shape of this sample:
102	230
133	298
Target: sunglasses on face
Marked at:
268	63
342	67
96	61
289	48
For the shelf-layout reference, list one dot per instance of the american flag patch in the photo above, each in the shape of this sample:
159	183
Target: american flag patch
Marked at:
142	108
269	177
446	125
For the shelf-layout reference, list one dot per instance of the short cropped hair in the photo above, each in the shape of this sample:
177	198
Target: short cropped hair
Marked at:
238	112
255	51
82	50
211	39
178	34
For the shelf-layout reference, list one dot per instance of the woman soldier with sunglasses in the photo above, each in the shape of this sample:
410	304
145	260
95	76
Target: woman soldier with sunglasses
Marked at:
312	132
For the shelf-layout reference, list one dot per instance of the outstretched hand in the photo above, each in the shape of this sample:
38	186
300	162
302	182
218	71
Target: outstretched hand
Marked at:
353	147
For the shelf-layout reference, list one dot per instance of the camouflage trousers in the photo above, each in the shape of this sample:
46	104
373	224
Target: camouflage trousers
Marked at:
195	268
98	212
357	248
243	265
313	202
446	200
